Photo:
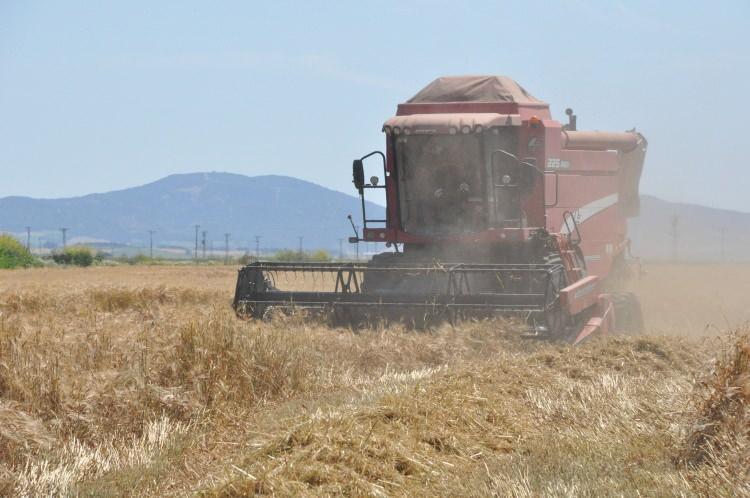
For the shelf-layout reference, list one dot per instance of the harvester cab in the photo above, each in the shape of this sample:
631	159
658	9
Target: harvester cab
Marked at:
495	207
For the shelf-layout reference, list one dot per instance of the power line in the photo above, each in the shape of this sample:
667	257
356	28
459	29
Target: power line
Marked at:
226	248
151	243
195	253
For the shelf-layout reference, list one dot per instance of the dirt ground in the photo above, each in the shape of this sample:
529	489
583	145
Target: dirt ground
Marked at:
140	381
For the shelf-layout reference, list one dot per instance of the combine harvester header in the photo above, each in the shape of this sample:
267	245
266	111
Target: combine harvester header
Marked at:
492	207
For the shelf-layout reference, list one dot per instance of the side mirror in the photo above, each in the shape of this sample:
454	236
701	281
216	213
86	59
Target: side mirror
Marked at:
358	174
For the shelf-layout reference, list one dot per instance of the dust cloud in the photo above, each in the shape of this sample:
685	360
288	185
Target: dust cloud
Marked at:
693	299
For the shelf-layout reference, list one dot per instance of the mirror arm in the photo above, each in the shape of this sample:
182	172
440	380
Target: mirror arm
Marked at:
362	187
532	166
382	156
515	158
355	239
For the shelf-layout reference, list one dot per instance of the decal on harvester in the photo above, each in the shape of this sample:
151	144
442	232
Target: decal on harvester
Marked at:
557	163
577	215
533	144
591	209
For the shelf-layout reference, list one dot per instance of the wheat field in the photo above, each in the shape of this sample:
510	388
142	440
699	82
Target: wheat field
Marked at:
140	381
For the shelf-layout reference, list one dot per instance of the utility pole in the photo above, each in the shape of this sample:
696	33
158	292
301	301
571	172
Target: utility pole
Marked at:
300	247
226	248
151	243
675	237
341	248
203	243
257	246
195	253
64	237
28	239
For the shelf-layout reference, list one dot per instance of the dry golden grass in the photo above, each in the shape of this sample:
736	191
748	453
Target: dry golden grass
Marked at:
717	448
140	381
590	421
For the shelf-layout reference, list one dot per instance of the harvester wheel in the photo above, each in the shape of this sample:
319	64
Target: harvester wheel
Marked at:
628	313
248	312
555	322
554	316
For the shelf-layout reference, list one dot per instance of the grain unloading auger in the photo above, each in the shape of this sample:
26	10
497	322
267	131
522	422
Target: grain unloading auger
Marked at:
492	208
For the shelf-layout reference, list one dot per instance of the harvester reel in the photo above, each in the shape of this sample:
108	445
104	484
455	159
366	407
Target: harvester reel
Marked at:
419	295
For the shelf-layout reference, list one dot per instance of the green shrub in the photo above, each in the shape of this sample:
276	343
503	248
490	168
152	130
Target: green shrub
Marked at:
246	259
75	255
138	259
319	256
13	254
286	255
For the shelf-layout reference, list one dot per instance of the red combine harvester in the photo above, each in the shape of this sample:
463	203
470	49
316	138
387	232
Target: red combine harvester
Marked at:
493	207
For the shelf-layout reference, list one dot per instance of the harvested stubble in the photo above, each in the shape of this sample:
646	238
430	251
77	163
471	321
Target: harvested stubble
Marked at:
588	422
717	448
153	387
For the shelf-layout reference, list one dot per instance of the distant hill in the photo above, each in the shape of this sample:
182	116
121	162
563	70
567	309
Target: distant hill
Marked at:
699	232
280	208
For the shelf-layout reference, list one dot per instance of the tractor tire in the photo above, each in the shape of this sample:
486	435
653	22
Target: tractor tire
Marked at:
628	313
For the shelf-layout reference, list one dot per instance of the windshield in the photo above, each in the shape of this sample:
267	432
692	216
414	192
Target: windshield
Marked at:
441	183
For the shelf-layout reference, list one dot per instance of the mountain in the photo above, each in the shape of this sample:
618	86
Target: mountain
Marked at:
280	209
699	232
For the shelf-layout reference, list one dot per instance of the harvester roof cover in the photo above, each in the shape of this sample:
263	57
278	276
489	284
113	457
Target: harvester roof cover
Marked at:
474	89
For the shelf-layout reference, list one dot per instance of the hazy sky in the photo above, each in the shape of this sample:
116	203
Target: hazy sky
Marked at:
96	96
